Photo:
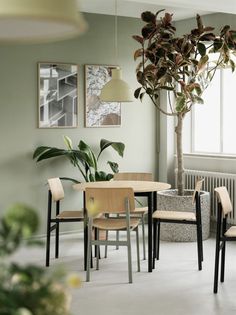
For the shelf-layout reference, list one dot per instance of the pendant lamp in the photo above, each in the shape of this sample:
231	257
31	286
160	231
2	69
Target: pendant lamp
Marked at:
116	90
35	21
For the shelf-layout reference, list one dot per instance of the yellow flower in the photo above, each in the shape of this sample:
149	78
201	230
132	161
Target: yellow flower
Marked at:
73	280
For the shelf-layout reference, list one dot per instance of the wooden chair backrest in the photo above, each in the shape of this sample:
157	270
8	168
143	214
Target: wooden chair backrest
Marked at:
109	200
133	176
198	187
56	188
224	199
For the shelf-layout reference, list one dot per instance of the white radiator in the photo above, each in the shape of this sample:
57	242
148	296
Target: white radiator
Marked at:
213	180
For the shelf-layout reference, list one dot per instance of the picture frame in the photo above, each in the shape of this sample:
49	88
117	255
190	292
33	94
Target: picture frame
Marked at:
98	113
57	95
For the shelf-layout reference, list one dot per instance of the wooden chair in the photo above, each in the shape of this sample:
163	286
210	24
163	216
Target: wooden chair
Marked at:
102	201
138	211
222	233
180	217
55	195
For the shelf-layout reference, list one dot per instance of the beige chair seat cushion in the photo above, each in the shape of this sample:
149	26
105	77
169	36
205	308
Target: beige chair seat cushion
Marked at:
231	232
71	215
174	215
114	224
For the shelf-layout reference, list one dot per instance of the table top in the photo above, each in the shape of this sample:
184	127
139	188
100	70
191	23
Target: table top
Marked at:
138	186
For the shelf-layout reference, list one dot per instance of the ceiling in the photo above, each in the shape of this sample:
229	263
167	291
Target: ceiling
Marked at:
182	9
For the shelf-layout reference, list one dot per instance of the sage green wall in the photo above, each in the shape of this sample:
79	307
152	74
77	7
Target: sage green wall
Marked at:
21	180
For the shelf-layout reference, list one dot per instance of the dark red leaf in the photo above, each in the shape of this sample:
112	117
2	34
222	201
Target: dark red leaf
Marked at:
138	53
137	92
138	38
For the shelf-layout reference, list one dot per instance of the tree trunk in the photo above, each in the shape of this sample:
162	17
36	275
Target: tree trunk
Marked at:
180	167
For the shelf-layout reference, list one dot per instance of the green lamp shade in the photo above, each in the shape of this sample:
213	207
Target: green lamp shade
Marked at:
116	90
39	20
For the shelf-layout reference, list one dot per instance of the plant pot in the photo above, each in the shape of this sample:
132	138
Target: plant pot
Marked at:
169	200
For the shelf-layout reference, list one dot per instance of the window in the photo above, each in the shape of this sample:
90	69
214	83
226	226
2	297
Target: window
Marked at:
213	124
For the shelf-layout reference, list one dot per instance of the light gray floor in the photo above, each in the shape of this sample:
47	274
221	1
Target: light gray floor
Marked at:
175	287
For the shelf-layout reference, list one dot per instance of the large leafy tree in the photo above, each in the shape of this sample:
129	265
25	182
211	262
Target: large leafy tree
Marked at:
181	66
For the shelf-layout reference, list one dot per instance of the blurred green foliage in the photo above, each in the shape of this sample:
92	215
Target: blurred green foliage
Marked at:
27	289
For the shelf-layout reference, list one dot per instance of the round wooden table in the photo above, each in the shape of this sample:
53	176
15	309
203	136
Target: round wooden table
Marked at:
141	188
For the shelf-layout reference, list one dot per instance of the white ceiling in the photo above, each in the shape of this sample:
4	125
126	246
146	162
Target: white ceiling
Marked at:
181	8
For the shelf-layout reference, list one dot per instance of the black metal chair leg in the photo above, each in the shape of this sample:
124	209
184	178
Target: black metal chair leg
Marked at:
48	246
154	243
158	240
57	241
222	272
201	242
217	256
199	247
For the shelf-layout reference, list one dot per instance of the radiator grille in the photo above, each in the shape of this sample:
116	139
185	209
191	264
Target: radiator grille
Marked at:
213	180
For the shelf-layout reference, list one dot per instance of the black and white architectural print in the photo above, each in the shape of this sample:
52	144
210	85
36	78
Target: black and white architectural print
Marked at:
58	95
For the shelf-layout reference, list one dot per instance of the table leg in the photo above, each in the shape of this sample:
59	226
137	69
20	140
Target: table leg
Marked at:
85	234
150	210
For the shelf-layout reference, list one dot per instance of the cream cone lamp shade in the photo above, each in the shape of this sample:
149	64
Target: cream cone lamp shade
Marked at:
116	90
33	21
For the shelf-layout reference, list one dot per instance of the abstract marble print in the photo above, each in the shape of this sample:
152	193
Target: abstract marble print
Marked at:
97	113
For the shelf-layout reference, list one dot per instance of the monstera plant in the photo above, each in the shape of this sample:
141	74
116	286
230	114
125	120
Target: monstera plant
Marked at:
179	65
83	158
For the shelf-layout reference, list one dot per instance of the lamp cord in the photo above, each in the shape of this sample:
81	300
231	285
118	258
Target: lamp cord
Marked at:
116	35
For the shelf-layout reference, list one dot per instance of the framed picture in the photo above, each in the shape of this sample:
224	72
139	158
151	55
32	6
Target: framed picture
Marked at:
97	113
58	95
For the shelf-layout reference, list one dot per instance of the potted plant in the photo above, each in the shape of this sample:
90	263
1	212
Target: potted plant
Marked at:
83	158
180	66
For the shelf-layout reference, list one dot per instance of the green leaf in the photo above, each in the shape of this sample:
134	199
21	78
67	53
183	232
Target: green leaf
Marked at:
68	142
50	153
89	156
141	96
92	177
168	88
148	17
149	91
70	179
100	176
180	103
201	48
114	166
198	90
198	99
109	176
117	146
217	44
38	151
232	64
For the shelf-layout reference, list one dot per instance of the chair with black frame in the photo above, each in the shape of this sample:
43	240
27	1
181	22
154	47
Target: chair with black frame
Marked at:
140	212
180	217
55	195
223	234
112	201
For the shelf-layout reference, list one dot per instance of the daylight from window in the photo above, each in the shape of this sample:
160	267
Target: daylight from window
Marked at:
213	124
